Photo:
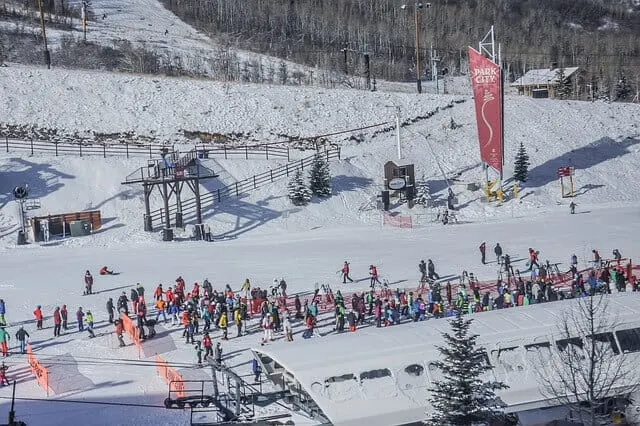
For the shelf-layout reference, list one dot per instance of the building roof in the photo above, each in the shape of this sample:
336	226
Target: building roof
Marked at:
543	76
339	372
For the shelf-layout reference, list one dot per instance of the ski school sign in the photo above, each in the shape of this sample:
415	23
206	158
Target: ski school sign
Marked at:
486	80
38	370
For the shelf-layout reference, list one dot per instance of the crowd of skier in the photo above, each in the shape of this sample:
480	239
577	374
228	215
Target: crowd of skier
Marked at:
202	310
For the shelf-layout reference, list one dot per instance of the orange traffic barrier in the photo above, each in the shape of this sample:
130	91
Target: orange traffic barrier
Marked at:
131	330
170	376
41	373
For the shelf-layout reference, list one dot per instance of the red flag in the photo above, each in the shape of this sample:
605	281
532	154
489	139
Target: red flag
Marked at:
486	81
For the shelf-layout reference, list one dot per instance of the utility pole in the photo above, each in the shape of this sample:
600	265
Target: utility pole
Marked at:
418	74
84	20
398	132
47	56
434	64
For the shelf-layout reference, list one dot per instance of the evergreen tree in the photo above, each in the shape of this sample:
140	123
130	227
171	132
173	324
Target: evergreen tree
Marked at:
299	194
623	88
320	176
423	195
521	167
461	397
564	89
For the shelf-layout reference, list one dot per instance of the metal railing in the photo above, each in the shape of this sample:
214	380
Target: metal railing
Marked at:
251	183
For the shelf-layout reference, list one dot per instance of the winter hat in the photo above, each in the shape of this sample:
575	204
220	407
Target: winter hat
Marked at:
38	307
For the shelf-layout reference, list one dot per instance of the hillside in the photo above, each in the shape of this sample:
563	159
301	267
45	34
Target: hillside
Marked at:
599	139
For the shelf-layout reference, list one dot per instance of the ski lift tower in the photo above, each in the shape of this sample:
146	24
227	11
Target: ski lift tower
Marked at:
169	174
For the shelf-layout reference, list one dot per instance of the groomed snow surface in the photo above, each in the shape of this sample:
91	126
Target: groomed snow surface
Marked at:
260	235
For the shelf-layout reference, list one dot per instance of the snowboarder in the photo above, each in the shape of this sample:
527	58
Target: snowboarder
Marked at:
37	313
57	320
119	331
345	273
483	250
110	310
65	315
422	267
105	271
4	341
431	271
90	324
572	207
88	283
22	336
498	251
80	319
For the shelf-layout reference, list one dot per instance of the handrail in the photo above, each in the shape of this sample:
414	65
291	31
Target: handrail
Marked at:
250	183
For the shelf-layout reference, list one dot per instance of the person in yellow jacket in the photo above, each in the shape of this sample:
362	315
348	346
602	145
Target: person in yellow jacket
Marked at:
161	306
237	318
222	323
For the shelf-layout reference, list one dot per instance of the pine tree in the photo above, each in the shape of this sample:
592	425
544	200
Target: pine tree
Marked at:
423	195
299	194
564	90
623	88
461	397
320	176
521	167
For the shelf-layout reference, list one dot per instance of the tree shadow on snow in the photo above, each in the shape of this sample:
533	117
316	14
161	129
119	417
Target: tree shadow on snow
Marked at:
582	158
42	179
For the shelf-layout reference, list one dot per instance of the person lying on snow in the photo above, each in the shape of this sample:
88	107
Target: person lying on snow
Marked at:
105	271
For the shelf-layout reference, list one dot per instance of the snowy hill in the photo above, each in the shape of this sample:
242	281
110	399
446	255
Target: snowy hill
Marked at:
261	235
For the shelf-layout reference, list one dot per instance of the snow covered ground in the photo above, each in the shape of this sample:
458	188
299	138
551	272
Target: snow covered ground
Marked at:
261	235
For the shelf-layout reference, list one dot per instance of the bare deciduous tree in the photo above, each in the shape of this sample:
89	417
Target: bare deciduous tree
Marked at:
586	367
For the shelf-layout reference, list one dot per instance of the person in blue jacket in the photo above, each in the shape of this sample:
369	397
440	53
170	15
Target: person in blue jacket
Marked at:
2	312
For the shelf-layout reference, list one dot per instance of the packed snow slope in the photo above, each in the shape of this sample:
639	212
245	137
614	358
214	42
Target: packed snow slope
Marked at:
600	140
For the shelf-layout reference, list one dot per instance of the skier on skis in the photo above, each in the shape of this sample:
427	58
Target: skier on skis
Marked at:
431	271
22	336
345	273
110	309
80	319
373	273
422	267
89	318
88	283
57	320
498	251
3	375
37	313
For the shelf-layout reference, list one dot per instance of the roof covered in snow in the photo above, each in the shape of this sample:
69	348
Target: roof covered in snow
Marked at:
369	377
543	76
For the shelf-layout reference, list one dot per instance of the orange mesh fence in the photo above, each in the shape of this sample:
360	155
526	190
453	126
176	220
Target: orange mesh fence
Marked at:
170	376
41	373
131	330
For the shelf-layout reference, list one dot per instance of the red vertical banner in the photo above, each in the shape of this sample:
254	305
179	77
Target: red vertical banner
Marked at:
486	81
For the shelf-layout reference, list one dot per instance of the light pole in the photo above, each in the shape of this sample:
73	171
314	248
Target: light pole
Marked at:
417	9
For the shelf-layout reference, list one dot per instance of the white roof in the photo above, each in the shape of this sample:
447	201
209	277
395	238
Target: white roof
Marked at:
543	76
402	398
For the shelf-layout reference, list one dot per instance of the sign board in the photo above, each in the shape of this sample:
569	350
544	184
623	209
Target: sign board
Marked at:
564	171
397	183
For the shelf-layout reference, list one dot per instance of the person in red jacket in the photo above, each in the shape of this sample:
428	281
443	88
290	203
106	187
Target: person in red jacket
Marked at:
38	314
64	314
169	295
57	322
195	293
373	272
208	346
533	259
345	273
158	293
